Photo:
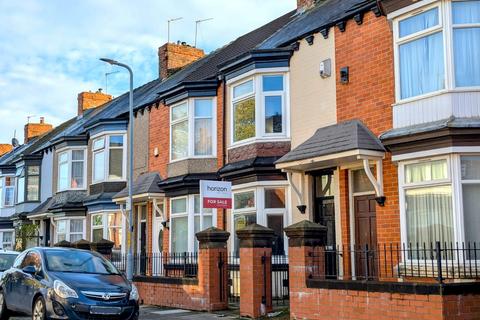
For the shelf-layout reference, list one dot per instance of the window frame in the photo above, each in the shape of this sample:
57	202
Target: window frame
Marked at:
190	118
105	226
69	163
106	150
445	26
2	242
68	233
190	214
3	190
22	175
260	133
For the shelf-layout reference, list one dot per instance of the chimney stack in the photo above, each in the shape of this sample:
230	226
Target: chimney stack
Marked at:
90	100
33	130
5	148
303	5
174	56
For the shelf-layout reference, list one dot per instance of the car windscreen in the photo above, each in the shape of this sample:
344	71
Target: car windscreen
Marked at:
6	261
78	262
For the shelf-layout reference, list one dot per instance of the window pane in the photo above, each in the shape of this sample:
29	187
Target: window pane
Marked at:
272	83
196	206
207	223
471	212
99	144
63	176
471	167
179	112
75	237
179	205
273	114
116	164
243	89
419	22
99	166
116	141
33	170
466	42
21	190
115	235
429	215
240	222
61	226
203	108
422	66
179	234
275	198
33	187
61	237
244	200
9	181
275	222
466	12
7	236
97	235
76	225
180	140
97	220
426	171
115	219
9	195
77	174
203	137
63	157
361	183
78	155
244	119
325	185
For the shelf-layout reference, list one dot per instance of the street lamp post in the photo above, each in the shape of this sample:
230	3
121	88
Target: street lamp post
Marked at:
130	167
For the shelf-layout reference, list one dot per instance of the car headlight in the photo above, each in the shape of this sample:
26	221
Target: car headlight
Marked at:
134	293
63	291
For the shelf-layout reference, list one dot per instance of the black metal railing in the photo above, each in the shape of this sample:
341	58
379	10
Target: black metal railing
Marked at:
280	280
178	265
233	272
428	262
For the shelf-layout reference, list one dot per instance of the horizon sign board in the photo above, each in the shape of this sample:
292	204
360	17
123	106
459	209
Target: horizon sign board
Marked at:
216	194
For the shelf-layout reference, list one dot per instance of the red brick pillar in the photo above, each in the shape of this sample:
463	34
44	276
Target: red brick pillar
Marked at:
212	268
306	241
255	270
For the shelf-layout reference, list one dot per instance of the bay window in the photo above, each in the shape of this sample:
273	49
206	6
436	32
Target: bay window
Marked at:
186	220
192	128
70	230
265	205
258	108
71	170
28	183
108	158
440	200
430	40
107	226
7	191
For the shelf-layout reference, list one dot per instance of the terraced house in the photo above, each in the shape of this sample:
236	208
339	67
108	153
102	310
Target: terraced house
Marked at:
349	130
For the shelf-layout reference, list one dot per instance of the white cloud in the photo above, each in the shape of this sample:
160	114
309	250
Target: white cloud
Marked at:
50	49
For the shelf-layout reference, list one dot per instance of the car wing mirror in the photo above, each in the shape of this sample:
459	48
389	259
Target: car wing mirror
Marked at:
30	270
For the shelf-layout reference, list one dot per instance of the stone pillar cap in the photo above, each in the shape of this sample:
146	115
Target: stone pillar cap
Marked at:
63	244
256	236
212	238
306	233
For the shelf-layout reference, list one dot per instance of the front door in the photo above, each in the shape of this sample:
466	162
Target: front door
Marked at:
366	236
324	214
142	237
275	222
47	233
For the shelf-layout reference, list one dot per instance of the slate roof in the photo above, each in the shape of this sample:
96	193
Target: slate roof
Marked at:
249	163
42	208
345	136
451	122
67	199
145	183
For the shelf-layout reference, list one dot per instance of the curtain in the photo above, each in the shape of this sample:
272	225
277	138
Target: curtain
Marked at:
466	44
429	215
427	171
422	66
77	174
203	137
179	231
464	12
419	22
180	140
471	213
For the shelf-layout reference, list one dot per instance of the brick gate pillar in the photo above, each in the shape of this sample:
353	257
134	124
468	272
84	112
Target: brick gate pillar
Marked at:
212	268
255	270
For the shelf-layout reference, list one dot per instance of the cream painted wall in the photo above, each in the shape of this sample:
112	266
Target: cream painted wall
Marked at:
312	98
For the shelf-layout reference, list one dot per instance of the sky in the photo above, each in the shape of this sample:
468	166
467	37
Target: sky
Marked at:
49	49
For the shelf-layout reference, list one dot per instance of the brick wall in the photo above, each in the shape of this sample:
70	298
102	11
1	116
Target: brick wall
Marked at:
368	52
170	295
33	130
173	56
90	100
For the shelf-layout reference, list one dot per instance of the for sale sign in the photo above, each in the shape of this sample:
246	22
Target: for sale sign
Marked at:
216	194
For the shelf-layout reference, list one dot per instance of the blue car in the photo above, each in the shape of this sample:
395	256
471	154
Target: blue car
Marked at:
59	283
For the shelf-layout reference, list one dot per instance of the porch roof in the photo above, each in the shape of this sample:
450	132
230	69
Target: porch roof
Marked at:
332	145
146	183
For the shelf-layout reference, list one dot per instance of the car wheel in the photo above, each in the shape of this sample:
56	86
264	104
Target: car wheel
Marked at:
4	314
39	311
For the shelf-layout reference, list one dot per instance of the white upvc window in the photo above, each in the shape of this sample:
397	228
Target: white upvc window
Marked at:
70	230
259	109
28	183
7	191
265	204
186	219
7	239
437	48
107	226
71	170
439	200
193	129
109	158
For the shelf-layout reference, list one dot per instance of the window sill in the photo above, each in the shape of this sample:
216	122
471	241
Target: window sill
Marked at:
259	140
192	158
435	94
